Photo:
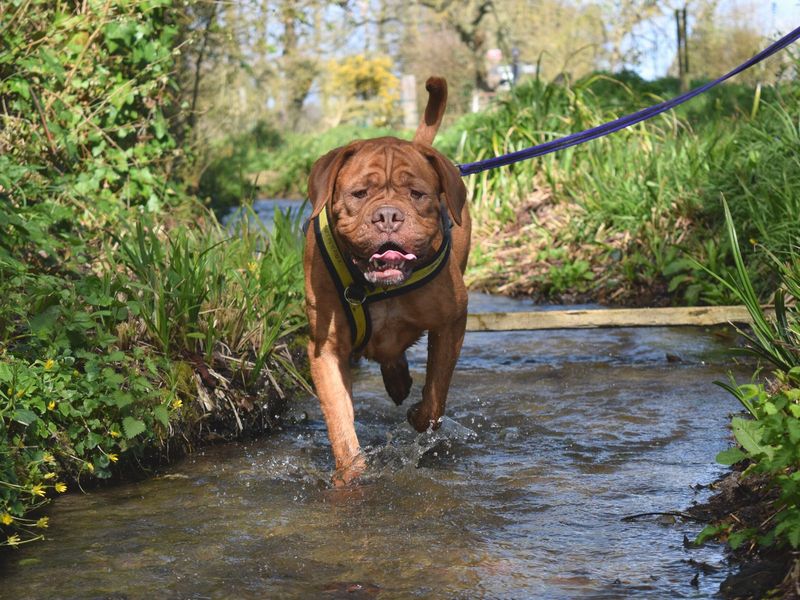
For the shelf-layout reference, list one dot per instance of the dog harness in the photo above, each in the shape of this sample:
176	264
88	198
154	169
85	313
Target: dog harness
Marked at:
355	292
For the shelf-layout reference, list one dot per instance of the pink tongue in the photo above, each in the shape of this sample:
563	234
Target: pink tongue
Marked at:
393	256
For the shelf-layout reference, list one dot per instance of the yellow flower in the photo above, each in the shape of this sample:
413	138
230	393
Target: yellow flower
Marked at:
49	475
37	490
252	266
49	364
90	466
114	434
48	458
60	487
6	519
177	403
19	393
51	405
43	522
13	540
113	457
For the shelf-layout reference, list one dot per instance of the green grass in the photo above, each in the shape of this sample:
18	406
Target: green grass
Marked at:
638	202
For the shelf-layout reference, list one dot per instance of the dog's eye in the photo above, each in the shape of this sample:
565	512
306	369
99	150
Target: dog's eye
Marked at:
360	194
416	194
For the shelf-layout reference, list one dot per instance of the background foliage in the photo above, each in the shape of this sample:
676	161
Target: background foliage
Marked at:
131	323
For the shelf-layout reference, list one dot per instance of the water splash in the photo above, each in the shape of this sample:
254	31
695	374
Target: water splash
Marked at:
405	448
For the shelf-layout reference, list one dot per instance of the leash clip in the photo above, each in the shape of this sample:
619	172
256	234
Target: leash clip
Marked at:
355	301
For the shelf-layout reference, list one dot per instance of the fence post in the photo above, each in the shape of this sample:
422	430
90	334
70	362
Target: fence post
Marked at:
683	49
408	98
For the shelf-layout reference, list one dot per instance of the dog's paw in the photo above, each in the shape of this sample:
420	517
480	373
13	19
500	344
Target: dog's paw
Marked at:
397	380
349	473
422	420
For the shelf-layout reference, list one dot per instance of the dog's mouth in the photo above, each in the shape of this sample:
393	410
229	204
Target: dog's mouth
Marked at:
390	265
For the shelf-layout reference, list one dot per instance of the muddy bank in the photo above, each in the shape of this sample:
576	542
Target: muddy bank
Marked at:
750	503
537	255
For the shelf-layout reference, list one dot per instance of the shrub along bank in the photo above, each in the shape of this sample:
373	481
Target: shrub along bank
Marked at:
758	511
132	325
616	220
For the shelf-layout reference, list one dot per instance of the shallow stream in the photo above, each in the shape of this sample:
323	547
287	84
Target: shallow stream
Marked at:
551	439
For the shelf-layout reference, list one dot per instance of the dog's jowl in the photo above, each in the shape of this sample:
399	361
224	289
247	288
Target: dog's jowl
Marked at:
384	262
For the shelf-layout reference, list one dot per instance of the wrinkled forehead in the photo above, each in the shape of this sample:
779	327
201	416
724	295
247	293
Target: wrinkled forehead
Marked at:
383	160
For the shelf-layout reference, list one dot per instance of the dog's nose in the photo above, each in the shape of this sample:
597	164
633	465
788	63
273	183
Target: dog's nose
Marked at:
388	219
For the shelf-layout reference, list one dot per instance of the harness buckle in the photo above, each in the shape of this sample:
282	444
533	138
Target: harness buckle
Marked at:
357	300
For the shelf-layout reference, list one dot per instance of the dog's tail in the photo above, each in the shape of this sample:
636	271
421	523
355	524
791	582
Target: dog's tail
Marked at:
434	111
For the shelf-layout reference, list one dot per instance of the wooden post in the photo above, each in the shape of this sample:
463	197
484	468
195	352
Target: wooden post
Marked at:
408	98
696	316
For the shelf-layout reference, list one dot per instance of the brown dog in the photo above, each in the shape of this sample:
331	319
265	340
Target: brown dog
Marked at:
385	205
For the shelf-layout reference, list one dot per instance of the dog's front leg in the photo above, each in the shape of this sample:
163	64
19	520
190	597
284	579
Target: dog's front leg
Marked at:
331	375
444	346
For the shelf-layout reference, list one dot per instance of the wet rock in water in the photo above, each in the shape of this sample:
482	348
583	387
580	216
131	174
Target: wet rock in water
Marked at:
667	520
703	567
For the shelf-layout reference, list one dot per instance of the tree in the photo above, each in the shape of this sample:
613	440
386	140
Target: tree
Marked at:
362	90
470	21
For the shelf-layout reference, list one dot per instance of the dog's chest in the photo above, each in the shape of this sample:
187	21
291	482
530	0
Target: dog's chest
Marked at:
394	329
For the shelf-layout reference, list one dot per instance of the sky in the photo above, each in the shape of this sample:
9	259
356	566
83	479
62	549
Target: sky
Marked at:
773	17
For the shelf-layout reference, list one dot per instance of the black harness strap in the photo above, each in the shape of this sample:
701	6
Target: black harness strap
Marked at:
355	292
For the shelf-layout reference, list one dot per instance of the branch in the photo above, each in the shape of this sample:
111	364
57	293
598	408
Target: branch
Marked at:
199	64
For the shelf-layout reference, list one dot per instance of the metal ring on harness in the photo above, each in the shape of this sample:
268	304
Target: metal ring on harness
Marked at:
355	301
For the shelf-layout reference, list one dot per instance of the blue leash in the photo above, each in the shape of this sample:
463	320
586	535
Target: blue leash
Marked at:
623	122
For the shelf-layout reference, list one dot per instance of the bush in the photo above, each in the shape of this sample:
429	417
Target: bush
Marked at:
768	436
131	323
635	204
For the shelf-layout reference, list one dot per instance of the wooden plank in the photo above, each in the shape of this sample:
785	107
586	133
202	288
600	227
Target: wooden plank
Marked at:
697	316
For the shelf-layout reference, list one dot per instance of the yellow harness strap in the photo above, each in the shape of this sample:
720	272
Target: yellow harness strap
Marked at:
355	293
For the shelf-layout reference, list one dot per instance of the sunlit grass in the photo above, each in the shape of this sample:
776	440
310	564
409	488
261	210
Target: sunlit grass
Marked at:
215	291
637	202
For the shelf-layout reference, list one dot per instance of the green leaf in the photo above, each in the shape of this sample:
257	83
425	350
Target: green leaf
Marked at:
749	434
709	532
793	428
132	427
122	399
162	414
25	416
730	456
737	538
112	377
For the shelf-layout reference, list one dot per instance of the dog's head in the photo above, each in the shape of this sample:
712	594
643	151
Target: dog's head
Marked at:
386	196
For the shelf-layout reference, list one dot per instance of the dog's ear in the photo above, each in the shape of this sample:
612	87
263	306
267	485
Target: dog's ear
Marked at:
434	111
322	178
452	185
